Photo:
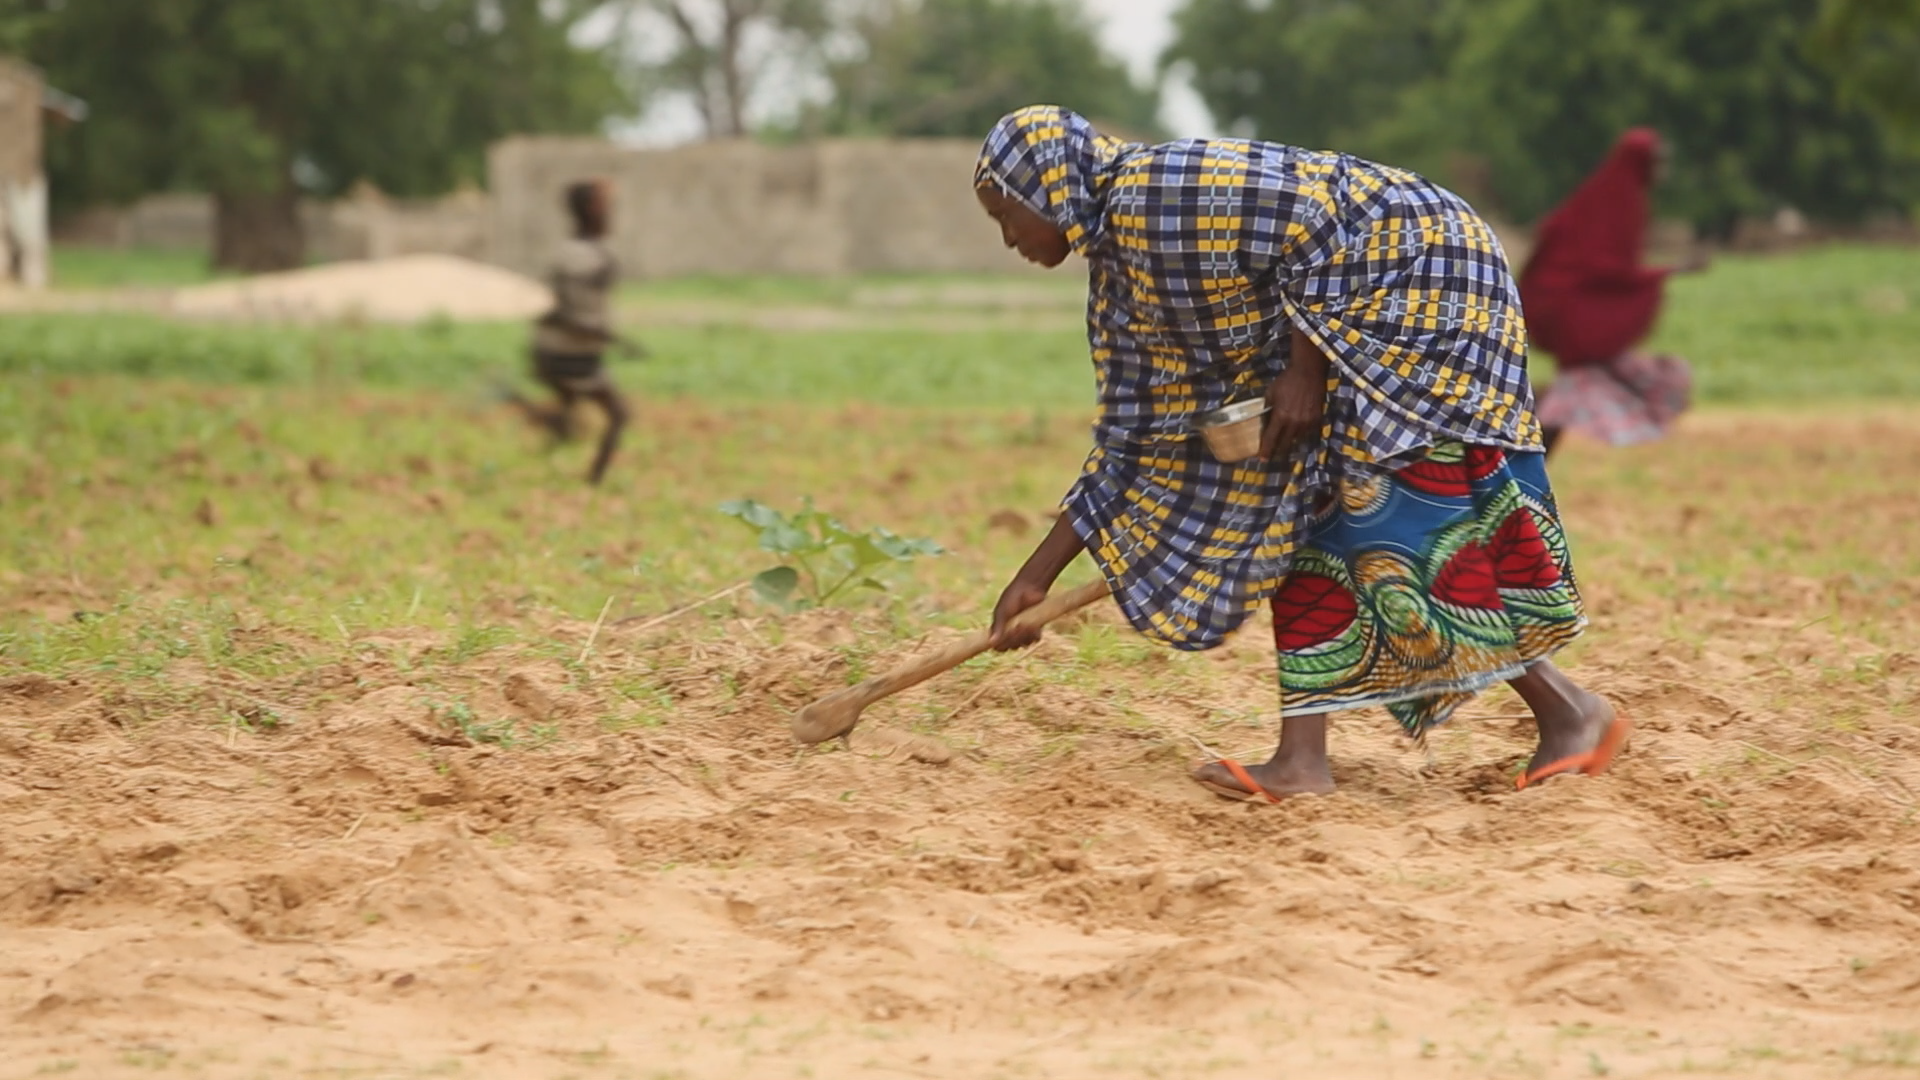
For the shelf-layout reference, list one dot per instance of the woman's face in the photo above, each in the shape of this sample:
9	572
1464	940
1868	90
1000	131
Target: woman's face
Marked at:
1648	152
1034	237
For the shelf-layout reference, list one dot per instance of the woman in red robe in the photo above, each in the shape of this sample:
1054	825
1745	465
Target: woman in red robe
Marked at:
1590	301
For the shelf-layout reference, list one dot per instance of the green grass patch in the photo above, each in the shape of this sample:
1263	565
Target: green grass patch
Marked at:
154	521
1830	324
109	268
883	366
434	353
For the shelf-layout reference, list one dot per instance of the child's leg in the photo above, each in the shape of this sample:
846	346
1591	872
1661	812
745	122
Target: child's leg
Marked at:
615	407
557	419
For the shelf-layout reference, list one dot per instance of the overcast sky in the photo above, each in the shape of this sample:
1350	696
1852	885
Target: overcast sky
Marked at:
1134	30
1137	31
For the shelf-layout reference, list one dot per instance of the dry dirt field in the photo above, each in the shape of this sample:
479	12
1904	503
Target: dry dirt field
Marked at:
610	860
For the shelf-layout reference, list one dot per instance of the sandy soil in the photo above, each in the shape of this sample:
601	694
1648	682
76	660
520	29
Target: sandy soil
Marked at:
405	289
363	893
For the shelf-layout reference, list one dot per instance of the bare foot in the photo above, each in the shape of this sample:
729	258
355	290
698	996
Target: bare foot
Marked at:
1572	719
1576	734
1298	766
1278	777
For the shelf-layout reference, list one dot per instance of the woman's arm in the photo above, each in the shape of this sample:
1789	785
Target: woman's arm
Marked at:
1057	550
1296	399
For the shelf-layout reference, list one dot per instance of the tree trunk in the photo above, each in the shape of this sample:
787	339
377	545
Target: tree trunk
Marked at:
258	233
732	28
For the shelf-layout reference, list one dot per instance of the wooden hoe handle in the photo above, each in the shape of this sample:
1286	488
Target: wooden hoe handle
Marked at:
837	713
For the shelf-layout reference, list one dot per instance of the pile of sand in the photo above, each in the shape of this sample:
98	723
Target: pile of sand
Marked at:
406	289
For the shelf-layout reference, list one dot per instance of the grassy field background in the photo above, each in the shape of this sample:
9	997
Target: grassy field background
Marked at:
1827	324
301	439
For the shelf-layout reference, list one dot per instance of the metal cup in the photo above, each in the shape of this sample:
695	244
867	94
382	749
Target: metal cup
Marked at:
1232	432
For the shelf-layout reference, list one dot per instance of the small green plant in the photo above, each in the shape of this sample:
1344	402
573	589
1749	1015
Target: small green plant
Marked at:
475	640
830	558
258	719
504	733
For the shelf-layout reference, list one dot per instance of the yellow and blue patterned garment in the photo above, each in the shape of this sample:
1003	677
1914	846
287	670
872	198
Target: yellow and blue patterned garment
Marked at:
1201	255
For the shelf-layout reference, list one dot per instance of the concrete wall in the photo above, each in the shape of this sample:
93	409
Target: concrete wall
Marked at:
180	221
829	207
173	221
460	224
366	225
369	225
720	208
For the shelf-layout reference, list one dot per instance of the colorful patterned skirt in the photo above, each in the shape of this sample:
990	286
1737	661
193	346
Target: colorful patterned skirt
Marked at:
1418	588
1633	398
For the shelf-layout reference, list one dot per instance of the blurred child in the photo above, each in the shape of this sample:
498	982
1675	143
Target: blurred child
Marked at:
570	341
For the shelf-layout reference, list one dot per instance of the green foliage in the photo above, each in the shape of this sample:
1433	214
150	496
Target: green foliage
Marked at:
832	558
1755	122
1515	101
254	97
19	21
713	59
505	733
953	67
1536	115
1873	47
1314	73
257	719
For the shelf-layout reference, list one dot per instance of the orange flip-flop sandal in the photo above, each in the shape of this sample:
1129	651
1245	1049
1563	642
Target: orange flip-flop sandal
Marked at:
1254	790
1592	763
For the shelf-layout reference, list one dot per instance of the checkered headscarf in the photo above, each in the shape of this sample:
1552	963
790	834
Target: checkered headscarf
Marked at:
1054	163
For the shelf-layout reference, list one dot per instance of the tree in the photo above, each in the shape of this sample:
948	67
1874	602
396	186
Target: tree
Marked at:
261	101
953	67
1755	123
1873	47
1537	90
1316	73
721	48
19	19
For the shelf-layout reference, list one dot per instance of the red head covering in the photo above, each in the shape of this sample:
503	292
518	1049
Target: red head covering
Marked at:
1587	297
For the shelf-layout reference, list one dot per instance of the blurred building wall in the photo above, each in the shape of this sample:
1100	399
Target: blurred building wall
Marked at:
182	221
370	225
829	207
726	208
365	225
